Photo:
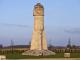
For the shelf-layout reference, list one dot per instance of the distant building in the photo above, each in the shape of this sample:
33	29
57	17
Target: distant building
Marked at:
58	49
16	48
67	48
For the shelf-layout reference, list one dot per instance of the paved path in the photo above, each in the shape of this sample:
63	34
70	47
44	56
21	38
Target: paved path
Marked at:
49	59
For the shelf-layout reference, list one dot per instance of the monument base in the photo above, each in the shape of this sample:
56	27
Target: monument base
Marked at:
38	53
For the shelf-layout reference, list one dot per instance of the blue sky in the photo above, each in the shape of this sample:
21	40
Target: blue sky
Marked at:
62	21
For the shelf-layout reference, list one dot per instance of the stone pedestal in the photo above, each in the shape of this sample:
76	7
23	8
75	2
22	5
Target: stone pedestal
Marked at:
67	55
39	53
2	57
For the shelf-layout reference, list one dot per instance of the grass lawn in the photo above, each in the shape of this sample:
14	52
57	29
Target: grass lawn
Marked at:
75	55
58	55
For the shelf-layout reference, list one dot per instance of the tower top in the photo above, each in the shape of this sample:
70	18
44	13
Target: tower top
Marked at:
39	5
38	10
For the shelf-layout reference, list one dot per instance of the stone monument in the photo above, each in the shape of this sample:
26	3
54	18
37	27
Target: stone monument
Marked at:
38	43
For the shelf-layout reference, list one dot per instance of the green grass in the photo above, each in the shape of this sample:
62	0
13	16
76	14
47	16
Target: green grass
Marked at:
58	55
75	55
19	56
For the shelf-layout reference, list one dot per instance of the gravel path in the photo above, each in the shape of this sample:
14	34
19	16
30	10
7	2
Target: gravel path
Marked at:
49	59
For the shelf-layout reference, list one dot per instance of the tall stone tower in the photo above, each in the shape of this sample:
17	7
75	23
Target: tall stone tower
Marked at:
38	37
38	43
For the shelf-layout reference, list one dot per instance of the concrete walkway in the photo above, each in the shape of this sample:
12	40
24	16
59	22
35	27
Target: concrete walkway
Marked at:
49	59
